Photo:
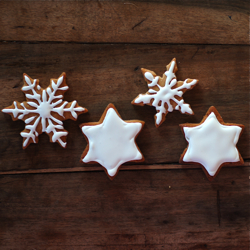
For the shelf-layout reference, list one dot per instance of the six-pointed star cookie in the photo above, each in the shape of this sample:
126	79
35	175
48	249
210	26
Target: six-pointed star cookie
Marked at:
165	93
111	141
44	110
212	143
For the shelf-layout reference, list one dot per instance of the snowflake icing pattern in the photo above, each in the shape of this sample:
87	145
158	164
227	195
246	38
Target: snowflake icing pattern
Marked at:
44	110
165	93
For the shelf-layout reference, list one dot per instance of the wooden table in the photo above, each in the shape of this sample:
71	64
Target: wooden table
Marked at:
49	200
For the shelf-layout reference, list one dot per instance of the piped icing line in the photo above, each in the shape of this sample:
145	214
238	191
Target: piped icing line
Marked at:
44	110
165	93
212	143
111	141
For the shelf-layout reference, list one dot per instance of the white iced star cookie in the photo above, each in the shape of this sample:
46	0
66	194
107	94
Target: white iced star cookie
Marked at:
212	143
111	141
165	93
44	110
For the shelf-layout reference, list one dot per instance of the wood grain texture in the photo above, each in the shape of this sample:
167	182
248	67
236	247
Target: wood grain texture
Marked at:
100	168
101	74
157	209
198	22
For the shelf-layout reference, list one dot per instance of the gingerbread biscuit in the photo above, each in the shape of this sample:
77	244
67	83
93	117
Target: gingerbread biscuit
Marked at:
111	141
44	110
165	93
212	143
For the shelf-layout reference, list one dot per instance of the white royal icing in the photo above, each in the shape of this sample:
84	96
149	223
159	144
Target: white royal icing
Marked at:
212	144
112	142
165	94
42	106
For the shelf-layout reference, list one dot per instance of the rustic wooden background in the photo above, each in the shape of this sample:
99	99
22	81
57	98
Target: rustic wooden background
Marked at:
49	200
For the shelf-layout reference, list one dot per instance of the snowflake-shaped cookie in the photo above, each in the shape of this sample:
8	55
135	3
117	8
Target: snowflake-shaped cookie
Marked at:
111	141
44	110
165	93
212	143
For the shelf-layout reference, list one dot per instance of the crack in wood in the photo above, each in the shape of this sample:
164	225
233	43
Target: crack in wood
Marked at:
23	27
144	19
99	168
195	53
218	207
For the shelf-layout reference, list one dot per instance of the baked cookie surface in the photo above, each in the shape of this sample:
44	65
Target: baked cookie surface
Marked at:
212	143
111	141
165	93
44	110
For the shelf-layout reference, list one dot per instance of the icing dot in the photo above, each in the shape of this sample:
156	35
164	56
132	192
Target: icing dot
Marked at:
44	109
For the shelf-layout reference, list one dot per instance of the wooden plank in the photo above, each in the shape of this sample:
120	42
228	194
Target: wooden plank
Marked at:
202	22
161	209
99	168
100	74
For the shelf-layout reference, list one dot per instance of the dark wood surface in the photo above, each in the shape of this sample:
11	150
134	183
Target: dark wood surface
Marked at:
157	209
49	200
203	22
